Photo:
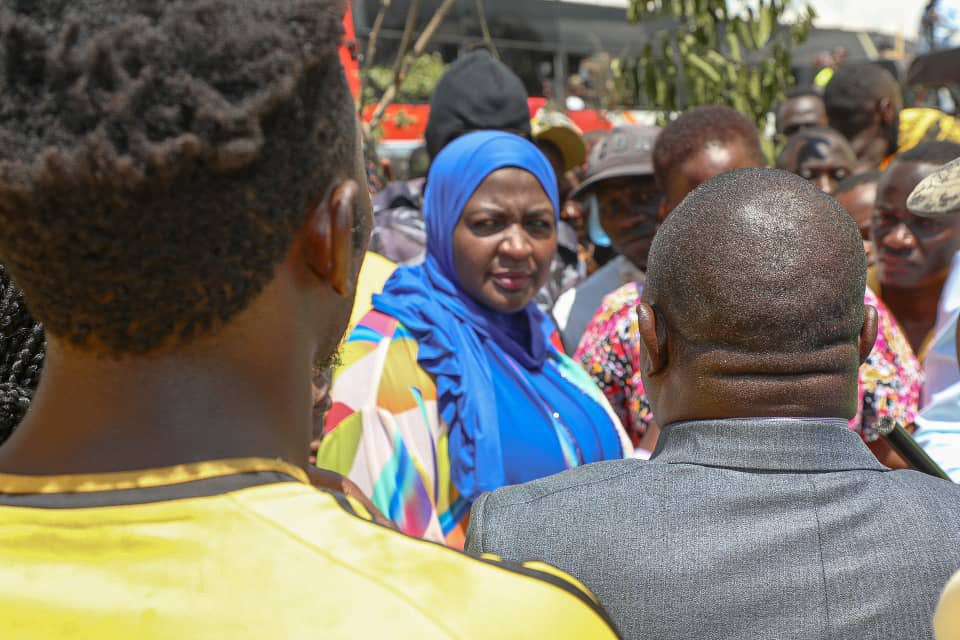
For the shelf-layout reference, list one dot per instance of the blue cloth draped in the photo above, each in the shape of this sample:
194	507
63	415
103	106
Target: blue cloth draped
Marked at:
463	344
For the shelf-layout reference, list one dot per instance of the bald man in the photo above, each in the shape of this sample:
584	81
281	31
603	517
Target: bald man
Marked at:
760	514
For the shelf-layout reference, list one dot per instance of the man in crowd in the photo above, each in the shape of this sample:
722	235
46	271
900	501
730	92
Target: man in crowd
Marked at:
759	506
623	200
820	155
864	103
182	201
698	145
939	195
610	348
919	268
857	194
801	109
561	141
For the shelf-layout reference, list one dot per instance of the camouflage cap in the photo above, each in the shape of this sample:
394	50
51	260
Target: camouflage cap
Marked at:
938	194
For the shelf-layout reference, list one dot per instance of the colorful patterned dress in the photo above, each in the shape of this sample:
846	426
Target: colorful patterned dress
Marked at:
385	433
889	385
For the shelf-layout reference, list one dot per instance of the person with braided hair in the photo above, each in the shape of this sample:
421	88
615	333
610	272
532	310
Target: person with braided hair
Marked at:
22	348
183	203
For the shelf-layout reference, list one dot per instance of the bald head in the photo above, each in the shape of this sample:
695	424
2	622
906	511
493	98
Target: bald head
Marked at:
759	260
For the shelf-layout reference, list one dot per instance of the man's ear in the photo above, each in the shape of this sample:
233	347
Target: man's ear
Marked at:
653	339
868	334
329	249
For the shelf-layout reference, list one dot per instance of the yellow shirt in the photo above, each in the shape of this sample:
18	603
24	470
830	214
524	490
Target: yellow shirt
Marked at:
245	549
922	124
946	622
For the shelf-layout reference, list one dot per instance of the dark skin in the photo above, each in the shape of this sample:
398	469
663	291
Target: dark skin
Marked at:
733	384
879	139
628	213
555	157
799	113
242	392
505	240
714	159
822	158
913	253
859	203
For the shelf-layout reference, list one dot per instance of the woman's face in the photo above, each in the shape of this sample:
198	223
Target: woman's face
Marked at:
505	241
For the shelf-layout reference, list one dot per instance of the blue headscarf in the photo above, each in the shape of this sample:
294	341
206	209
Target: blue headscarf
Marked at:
457	336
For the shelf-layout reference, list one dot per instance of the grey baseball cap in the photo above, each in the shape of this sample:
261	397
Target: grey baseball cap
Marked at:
938	194
627	151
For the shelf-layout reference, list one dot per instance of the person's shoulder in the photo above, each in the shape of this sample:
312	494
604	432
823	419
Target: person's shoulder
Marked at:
923	487
623	298
429	581
589	482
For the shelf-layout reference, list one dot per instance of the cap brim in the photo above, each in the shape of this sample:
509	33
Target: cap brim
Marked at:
938	194
622	171
571	145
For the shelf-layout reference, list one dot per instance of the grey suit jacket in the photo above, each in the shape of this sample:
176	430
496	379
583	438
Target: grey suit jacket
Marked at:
747	528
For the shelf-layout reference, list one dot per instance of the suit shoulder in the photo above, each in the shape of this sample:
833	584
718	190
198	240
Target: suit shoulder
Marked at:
583	480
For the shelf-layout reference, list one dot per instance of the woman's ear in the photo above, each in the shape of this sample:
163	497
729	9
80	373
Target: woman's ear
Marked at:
653	339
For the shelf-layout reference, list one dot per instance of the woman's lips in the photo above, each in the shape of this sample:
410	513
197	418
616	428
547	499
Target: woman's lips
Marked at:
512	280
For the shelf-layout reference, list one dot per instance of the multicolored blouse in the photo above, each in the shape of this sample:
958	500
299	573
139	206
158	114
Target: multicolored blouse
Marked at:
889	385
384	430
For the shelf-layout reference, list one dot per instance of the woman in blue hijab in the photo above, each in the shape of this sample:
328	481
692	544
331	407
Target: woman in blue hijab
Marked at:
455	383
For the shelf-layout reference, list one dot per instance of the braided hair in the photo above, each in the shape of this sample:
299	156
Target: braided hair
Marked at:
22	348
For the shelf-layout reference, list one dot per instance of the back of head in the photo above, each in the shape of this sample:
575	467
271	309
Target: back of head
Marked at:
476	92
852	93
759	261
156	157
699	128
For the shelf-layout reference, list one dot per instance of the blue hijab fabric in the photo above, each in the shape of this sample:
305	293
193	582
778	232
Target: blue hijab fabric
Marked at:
462	345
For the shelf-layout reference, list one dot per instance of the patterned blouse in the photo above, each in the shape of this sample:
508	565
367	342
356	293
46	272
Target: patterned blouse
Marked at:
889	385
384	430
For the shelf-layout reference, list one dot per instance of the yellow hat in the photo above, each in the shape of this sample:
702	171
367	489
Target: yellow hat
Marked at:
555	127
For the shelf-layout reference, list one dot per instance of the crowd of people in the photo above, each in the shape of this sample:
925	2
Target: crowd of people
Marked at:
628	383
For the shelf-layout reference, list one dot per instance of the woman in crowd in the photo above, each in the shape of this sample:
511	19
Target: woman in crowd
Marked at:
455	384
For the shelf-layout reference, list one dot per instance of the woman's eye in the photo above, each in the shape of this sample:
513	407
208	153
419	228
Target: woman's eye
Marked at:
540	224
486	226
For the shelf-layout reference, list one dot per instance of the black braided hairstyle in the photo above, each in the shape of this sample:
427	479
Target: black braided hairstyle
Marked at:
22	347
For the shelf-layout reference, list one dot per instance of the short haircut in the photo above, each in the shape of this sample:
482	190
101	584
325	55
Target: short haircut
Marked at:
761	261
931	152
802	91
852	91
22	350
157	156
802	136
852	182
698	128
